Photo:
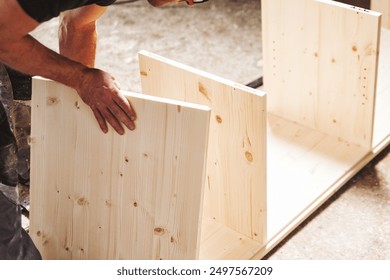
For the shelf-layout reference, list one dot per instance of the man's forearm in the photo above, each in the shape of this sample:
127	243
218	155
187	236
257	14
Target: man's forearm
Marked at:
96	88
29	56
77	33
78	44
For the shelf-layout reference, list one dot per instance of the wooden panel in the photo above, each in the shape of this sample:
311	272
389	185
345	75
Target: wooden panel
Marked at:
236	169
302	165
222	243
382	6
320	65
96	196
382	106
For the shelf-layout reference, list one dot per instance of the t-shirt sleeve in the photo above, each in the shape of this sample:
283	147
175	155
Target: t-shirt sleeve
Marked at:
105	2
44	10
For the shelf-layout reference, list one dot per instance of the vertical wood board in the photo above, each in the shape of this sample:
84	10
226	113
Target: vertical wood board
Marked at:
320	65
382	111
382	6
97	196
236	167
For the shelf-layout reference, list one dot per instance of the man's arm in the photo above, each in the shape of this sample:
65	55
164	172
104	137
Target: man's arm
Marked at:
77	33
97	88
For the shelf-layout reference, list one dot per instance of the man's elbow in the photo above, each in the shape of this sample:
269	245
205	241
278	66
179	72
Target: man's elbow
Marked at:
68	26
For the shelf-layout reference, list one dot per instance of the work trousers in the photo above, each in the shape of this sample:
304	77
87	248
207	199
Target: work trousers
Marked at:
15	243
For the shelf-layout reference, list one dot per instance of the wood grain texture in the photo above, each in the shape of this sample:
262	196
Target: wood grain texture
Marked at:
320	65
382	106
222	243
382	6
96	196
314	163
236	169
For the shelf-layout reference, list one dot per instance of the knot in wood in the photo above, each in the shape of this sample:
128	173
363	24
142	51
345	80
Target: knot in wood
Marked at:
159	231
52	100
82	201
249	156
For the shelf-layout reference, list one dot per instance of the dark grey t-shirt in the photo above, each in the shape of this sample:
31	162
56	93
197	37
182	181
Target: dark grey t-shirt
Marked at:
43	10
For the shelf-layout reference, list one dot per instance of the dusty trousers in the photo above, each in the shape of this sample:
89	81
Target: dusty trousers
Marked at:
15	243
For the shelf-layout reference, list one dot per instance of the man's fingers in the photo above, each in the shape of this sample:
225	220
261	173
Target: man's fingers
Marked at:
122	116
111	118
115	114
125	106
101	92
100	119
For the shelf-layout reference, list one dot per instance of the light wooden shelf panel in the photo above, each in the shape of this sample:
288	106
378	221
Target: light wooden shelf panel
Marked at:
382	6
316	203
106	196
318	57
382	105
302	165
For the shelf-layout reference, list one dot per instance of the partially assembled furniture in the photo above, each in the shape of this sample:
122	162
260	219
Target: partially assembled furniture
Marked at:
215	170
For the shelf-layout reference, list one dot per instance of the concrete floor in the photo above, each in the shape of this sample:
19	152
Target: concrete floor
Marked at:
223	37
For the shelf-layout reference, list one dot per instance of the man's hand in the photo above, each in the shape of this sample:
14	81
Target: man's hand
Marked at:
72	67
100	91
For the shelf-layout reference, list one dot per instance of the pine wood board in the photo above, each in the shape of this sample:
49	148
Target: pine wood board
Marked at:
302	165
96	196
320	62
219	242
382	6
382	111
236	166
